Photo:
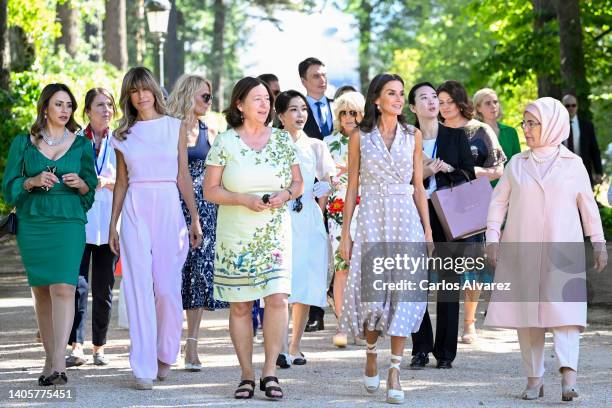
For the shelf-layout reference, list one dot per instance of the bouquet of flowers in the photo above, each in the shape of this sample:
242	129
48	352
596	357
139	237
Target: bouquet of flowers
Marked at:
335	208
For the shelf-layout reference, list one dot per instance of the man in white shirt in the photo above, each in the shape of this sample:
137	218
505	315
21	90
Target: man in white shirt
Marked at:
582	140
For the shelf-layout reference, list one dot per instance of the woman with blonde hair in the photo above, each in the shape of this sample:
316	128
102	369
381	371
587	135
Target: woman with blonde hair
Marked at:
348	112
489	110
151	150
189	101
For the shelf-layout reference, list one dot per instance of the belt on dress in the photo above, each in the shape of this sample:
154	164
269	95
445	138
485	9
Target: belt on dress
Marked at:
387	189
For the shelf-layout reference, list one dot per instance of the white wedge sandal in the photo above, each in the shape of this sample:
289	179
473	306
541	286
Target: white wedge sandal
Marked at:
395	396
371	383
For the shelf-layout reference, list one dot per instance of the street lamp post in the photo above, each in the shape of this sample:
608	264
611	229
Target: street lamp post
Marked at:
158	14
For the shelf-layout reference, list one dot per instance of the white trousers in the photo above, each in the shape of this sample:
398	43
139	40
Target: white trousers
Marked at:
566	343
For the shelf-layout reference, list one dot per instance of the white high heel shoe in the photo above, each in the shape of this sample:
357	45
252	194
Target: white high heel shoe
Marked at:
395	396
190	366
371	383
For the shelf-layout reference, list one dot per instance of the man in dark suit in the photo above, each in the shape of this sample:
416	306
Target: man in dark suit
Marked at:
582	140
320	123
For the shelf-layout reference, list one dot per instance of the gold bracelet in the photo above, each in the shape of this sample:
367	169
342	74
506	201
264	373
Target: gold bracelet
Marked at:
290	193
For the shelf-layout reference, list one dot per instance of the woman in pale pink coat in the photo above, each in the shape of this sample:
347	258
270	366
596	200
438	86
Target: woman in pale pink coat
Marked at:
543	196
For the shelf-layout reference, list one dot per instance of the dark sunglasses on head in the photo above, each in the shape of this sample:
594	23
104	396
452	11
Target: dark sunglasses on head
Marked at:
206	97
297	204
352	113
570	105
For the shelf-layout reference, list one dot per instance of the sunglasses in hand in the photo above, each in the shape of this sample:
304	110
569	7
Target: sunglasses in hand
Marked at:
297	205
50	169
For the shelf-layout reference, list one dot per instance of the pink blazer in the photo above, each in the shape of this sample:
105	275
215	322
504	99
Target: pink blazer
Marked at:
549	280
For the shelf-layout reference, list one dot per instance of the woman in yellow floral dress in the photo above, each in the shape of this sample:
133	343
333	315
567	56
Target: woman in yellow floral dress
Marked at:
252	171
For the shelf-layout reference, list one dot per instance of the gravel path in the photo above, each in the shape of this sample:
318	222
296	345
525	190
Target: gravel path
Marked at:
488	373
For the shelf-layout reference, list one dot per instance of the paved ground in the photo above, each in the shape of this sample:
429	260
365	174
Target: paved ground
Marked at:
485	374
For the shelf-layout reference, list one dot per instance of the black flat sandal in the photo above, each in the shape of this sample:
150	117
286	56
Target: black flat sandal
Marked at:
44	381
57	378
263	387
242	389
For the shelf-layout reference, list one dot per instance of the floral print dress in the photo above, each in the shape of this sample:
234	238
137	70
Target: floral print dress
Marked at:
198	271
338	147
253	249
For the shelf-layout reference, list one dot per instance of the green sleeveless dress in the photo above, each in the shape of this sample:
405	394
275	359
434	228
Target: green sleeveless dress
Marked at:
51	224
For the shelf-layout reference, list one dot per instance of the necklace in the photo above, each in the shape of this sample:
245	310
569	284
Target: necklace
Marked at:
540	160
52	142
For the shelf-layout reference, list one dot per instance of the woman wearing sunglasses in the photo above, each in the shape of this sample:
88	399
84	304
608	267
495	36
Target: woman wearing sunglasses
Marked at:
348	111
190	100
309	239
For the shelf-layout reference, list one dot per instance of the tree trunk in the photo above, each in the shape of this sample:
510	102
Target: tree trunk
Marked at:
365	36
92	37
115	35
4	47
549	83
573	70
174	58
69	19
217	61
136	31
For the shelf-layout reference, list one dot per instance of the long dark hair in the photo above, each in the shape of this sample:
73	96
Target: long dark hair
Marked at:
371	113
412	97
460	96
233	116
43	104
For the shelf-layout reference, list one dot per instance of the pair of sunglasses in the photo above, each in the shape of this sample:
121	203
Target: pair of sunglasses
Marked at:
297	204
50	169
352	113
206	97
570	105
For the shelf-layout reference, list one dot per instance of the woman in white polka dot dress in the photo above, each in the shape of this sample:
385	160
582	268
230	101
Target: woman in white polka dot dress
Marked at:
385	162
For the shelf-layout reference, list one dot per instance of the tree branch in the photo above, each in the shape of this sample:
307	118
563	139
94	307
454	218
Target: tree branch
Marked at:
601	35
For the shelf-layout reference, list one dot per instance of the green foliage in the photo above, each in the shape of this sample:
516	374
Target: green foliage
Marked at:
18	108
606	220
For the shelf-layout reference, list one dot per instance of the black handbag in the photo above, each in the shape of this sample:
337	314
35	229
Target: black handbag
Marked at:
8	225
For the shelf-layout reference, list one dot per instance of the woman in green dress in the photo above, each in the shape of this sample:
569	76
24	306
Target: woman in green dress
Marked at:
50	179
252	171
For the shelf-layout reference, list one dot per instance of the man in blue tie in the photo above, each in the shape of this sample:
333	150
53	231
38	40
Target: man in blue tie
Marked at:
320	122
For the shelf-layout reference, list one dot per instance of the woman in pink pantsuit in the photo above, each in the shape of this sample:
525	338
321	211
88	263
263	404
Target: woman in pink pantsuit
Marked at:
546	199
151	151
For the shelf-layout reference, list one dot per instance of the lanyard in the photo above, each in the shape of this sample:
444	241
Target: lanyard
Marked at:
433	153
93	145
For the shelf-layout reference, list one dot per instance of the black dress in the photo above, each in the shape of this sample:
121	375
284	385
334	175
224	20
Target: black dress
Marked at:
197	288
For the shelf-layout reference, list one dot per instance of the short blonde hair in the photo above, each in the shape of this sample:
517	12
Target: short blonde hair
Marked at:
182	98
346	102
479	97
